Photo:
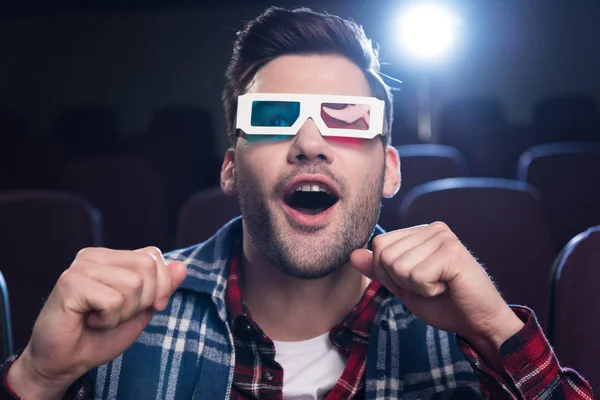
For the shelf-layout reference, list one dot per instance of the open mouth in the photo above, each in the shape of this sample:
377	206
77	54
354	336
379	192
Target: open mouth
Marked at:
310	198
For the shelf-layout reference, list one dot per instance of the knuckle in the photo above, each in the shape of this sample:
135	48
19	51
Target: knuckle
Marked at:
147	262
82	266
153	250
136	282
387	257
420	284
401	270
447	236
115	302
415	277
68	279
86	253
439	225
377	242
452	246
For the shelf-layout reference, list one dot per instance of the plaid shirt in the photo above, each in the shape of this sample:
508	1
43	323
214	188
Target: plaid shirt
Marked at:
258	376
187	351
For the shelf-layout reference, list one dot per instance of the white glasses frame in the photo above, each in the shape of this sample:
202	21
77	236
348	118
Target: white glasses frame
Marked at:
310	107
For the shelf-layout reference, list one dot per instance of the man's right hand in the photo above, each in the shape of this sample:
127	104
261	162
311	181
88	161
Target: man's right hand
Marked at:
98	308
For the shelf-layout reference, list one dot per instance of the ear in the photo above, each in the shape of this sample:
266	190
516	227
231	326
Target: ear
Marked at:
228	173
392	177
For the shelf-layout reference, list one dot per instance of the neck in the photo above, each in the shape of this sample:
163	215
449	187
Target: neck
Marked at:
293	309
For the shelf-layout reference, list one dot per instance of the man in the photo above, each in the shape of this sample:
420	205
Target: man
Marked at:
304	297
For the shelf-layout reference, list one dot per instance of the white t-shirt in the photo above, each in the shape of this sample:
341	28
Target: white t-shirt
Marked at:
311	368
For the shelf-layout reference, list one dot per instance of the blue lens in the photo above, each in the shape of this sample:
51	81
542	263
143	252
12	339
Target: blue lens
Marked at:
274	113
266	138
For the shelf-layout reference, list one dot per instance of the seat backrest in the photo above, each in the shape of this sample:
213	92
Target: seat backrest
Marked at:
40	235
501	222
464	118
6	347
128	192
574	305
421	163
203	214
180	145
567	176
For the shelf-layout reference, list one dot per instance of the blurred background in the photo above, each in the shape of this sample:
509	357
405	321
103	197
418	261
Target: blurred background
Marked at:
112	133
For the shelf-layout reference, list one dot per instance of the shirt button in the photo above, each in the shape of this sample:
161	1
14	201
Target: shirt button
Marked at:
380	374
384	325
268	375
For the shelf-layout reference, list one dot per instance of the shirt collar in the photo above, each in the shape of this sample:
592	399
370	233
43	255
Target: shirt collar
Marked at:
233	296
207	262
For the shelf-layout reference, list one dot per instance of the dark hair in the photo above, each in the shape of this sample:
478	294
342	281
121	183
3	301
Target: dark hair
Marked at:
277	32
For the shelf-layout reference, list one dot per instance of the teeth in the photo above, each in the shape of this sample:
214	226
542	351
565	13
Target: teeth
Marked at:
311	188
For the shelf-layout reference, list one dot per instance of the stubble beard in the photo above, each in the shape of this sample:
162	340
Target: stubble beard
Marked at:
298	251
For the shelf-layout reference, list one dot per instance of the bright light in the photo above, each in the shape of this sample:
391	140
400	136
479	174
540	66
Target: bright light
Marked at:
428	30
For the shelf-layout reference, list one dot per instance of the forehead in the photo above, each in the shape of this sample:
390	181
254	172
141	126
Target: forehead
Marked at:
313	74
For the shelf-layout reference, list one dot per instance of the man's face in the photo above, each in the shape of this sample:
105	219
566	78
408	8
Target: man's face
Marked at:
308	201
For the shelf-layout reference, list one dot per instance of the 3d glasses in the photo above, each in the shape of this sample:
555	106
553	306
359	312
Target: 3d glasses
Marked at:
285	113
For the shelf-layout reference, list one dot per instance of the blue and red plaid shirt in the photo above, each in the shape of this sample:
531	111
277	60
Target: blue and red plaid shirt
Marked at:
258	376
188	351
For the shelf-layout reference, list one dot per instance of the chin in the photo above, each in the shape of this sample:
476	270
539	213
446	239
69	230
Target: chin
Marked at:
306	256
308	272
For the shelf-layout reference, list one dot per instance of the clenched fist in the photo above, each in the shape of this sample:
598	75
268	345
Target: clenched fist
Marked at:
436	277
98	308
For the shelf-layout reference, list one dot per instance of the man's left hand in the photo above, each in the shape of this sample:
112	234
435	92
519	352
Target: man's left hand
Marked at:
437	279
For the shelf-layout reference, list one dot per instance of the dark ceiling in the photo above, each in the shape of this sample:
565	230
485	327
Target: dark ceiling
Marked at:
57	6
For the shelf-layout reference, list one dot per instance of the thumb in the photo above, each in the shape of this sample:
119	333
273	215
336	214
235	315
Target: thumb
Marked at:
362	260
178	272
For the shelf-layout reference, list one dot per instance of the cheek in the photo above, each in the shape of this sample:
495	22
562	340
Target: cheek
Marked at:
367	177
260	168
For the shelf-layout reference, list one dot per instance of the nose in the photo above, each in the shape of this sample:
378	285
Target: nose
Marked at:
309	146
